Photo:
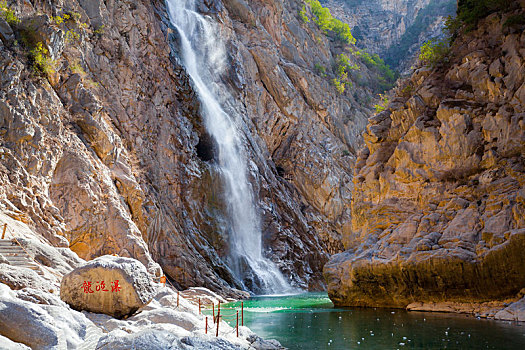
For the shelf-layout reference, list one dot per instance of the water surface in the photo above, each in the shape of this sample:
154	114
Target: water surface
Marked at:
310	321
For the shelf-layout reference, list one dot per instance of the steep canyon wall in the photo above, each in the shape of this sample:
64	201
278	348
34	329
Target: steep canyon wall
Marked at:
439	199
103	148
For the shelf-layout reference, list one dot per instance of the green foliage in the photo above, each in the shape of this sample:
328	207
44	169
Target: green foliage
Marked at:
320	70
471	11
515	21
387	76
383	104
58	20
100	30
434	53
407	91
303	15
424	19
76	68
339	85
8	14
68	20
72	35
327	23
42	63
342	67
344	61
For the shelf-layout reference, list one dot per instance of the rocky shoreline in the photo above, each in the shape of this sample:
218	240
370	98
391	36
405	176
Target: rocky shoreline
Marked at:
159	317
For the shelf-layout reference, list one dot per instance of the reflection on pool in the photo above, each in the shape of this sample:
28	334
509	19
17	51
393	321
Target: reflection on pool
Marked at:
309	321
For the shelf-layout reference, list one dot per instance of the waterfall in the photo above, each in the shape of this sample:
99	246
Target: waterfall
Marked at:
203	57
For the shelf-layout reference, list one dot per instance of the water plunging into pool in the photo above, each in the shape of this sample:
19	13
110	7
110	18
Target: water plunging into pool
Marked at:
203	57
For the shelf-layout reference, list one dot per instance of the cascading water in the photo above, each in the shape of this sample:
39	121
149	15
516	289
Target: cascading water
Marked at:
203	57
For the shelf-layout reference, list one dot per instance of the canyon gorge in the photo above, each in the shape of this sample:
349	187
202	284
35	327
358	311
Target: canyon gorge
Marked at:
244	146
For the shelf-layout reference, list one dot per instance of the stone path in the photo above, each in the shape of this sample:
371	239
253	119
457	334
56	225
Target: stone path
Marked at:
16	256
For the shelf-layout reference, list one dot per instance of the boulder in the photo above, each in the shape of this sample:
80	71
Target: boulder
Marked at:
41	326
115	286
514	312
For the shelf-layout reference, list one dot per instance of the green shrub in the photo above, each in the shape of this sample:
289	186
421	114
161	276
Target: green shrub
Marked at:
76	68
320	70
42	63
327	23
8	14
72	35
434	53
424	19
515	21
471	11
386	76
100	30
408	90
383	104
340	86
343	61
69	20
303	15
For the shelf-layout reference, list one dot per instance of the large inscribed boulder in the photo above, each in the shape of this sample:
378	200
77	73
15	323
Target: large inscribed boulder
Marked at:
115	286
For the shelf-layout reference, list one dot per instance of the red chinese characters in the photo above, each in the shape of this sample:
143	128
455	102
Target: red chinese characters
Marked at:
101	287
87	287
115	287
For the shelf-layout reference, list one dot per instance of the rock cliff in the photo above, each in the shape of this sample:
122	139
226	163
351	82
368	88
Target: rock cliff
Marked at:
394	29
103	149
438	205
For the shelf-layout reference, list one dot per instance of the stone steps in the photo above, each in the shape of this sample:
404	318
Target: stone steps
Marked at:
17	256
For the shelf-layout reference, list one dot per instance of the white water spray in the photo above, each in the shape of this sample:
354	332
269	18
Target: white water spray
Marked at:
203	56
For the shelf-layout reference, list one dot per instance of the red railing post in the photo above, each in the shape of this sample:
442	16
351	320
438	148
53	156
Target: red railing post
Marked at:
3	233
242	313
206	326
218	319
213	306
237	324
177	298
199	306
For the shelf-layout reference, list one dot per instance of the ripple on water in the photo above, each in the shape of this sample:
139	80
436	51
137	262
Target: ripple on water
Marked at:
309	321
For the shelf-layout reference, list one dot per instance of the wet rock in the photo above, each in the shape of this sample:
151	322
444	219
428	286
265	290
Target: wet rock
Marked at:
112	285
514	312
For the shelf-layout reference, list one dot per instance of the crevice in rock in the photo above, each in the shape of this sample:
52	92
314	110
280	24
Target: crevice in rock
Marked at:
206	149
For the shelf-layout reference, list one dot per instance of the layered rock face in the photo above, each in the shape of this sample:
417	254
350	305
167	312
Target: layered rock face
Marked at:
439	202
394	29
106	151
